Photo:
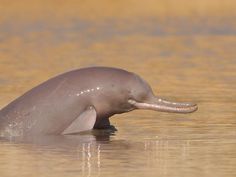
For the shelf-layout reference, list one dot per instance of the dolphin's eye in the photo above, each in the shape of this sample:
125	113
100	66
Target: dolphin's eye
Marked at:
136	95
130	93
143	96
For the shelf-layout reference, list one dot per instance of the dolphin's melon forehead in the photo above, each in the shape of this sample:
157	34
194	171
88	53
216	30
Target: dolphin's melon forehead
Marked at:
105	73
103	69
95	76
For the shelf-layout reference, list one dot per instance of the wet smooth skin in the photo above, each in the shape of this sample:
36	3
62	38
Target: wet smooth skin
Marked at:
80	100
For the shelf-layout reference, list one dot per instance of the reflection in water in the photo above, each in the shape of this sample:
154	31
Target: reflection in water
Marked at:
87	156
161	153
155	152
87	162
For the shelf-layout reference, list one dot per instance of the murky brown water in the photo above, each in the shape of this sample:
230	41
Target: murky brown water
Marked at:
185	50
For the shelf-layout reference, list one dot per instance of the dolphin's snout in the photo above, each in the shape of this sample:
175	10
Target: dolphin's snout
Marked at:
158	104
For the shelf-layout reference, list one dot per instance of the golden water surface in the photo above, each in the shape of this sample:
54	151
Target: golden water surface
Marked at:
185	49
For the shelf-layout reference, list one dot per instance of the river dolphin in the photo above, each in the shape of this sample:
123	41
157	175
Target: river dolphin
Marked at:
81	100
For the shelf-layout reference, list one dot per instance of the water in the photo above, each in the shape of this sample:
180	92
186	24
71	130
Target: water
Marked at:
186	54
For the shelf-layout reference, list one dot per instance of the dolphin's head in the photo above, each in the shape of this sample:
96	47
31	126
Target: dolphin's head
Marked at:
122	91
140	96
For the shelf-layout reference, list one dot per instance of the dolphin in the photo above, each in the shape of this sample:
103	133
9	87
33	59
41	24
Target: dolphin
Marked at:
80	100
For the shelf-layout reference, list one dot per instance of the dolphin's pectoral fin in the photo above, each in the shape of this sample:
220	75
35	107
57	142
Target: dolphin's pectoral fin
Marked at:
85	121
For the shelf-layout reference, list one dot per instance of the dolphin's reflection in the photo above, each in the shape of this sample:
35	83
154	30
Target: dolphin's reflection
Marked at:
63	141
92	151
83	148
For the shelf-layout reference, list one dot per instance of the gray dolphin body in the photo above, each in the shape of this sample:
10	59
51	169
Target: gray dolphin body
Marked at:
81	100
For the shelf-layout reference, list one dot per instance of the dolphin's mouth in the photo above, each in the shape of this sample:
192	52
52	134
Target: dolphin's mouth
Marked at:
158	104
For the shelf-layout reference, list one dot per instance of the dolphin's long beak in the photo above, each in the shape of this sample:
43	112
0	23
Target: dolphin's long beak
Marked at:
158	104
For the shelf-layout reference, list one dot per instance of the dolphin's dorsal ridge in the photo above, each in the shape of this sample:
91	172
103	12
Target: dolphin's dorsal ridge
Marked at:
85	121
